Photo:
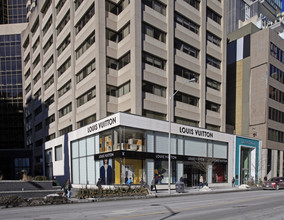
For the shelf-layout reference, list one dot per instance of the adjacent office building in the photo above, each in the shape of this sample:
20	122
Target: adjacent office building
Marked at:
86	60
14	156
255	91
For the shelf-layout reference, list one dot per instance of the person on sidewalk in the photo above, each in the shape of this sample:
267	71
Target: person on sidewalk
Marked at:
233	182
129	182
67	188
153	184
99	184
201	182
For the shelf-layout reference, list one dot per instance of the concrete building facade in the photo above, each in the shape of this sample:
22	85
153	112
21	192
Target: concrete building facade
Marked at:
85	60
255	84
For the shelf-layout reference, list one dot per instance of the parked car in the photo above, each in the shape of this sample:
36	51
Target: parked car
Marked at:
274	183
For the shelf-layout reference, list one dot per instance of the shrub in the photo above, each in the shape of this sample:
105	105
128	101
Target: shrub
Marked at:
40	178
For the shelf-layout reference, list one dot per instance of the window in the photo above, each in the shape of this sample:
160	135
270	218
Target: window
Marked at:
213	15
65	110
49	101
64	89
62	24
50	137
84	20
213	39
187	122
27	74
154	89
38	127
35	27
276	115
45	7
86	71
154	32
85	45
276	95
118	36
186	48
64	67
48	44
38	110
58	153
153	60
86	97
48	64
212	106
60	5
212	127
213	61
156	5
37	78
213	84
187	99
117	8
154	115
36	61
47	26
193	3
185	22
63	45
86	121
185	73
78	3
118	91
37	94
49	82
28	88
275	135
50	119
36	44
118	64
26	43
65	130
27	59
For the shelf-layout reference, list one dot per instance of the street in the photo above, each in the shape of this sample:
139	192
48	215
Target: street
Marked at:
260	204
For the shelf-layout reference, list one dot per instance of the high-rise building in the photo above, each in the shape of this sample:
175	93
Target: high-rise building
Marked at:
260	12
13	154
85	60
255	92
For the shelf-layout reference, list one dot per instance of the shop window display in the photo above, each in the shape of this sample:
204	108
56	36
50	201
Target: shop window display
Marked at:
161	172
133	139
134	169
106	171
219	173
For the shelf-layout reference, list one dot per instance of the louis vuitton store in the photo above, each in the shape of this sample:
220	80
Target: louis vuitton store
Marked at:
124	145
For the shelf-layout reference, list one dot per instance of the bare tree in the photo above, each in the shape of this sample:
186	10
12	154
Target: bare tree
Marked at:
203	164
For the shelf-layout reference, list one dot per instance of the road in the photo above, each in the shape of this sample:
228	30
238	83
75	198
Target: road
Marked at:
237	205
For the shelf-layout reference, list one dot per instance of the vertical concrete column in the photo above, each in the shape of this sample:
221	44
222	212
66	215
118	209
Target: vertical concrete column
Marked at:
263	163
281	164
274	162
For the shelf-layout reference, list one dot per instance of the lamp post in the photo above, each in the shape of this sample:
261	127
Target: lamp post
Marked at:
169	141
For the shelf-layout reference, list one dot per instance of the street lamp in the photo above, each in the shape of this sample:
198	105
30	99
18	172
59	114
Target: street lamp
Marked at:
169	141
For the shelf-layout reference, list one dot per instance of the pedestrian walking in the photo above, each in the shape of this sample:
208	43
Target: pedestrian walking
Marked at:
99	184
129	182
67	188
153	184
201	182
233	182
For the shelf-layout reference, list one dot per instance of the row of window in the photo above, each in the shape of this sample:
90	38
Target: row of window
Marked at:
276	74
48	44
185	22
186	48
185	73
64	67
185	98
62	24
48	64
116	8
153	89
119	35
118	91
276	52
153	60
213	84
86	97
47	26
276	115
63	45
65	88
85	45
276	94
275	135
59	6
84	20
156	5
118	64
90	67
193	3
153	32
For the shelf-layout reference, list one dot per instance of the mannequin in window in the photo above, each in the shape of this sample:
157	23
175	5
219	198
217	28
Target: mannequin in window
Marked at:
106	173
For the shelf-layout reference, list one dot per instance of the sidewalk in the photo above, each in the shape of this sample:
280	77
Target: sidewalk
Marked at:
165	193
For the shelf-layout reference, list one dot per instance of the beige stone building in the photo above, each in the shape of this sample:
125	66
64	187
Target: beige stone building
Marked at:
85	60
255	92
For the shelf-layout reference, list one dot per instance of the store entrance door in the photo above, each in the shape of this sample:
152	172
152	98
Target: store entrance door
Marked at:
191	175
245	164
